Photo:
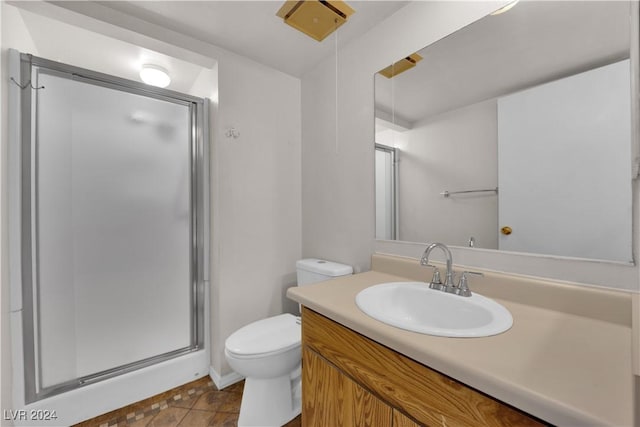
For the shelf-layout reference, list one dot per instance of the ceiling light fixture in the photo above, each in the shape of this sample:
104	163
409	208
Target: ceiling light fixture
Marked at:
315	18
505	8
154	75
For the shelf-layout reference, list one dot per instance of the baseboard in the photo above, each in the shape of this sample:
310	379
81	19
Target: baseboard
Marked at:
225	380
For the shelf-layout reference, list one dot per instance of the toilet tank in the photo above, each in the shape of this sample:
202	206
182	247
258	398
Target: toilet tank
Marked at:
313	270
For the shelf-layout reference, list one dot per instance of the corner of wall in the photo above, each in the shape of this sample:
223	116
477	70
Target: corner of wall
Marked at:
223	381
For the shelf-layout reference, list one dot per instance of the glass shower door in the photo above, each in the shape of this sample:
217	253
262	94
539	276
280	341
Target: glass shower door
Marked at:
114	284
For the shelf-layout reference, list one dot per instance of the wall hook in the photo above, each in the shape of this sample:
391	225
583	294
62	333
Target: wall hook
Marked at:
232	133
28	84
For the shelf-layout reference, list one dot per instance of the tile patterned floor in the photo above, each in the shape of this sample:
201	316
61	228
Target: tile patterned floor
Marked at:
195	404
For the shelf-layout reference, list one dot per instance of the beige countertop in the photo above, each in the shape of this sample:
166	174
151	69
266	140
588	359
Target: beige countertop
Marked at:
567	369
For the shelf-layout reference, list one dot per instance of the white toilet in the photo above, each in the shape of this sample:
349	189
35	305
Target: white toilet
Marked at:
268	354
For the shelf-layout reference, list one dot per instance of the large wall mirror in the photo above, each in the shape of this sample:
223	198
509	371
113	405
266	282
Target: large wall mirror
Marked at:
514	133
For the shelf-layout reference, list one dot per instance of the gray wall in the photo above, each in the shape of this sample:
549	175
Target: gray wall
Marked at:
454	151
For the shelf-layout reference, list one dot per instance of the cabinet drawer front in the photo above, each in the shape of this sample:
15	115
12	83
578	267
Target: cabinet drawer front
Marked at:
424	394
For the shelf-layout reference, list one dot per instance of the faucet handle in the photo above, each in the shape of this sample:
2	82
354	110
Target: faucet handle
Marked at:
474	273
436	281
463	285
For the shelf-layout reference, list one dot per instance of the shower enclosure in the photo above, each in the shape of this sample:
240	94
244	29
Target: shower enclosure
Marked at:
113	225
386	176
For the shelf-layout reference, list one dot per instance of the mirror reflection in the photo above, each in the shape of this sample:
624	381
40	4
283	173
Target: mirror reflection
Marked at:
514	133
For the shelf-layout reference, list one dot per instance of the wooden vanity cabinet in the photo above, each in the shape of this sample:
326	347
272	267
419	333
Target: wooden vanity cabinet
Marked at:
350	380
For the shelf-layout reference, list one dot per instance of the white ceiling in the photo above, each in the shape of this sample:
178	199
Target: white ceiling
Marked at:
249	28
533	43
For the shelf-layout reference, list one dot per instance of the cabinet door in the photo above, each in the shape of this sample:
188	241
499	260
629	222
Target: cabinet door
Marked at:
330	398
401	420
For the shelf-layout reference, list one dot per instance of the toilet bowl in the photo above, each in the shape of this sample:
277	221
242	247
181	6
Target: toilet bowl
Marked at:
268	354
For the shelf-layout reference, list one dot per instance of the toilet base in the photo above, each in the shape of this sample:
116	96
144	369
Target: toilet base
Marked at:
270	401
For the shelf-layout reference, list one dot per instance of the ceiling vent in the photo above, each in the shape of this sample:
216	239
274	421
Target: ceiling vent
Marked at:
401	66
315	18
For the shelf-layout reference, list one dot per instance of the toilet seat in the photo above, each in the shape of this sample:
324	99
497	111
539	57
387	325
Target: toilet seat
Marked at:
264	337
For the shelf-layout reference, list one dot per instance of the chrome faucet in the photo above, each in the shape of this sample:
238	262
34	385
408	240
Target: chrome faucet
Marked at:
462	288
435	281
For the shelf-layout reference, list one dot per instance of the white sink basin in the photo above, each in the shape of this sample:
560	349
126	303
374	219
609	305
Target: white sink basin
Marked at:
415	307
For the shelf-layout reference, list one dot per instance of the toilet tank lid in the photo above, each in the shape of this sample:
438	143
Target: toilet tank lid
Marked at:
321	266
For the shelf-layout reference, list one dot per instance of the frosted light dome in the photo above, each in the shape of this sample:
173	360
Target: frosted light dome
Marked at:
154	75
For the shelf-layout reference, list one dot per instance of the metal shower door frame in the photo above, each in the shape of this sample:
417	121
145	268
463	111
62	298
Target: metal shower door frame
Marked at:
24	248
